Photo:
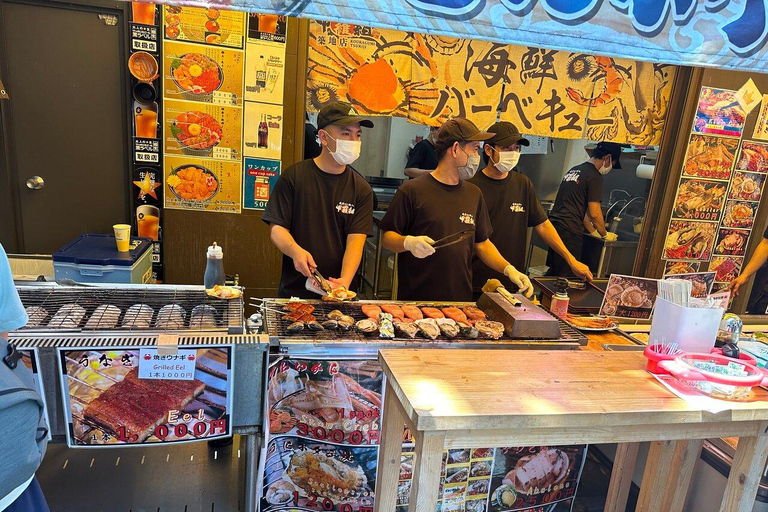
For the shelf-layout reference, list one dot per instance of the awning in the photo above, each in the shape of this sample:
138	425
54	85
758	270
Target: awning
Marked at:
717	33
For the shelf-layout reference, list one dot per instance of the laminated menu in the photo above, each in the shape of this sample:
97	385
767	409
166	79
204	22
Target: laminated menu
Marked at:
129	396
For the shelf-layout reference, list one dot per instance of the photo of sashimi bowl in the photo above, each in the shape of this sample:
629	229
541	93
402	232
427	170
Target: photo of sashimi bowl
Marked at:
196	75
197	133
193	183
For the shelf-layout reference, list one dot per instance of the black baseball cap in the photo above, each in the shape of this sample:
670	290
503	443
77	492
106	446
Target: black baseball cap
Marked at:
459	129
613	149
506	134
342	114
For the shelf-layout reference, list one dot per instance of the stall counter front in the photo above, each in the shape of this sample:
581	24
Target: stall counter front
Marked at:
589	398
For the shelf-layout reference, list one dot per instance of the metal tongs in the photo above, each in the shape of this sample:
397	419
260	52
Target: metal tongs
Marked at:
321	282
453	239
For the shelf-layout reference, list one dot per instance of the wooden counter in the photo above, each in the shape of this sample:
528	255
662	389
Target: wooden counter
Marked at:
466	399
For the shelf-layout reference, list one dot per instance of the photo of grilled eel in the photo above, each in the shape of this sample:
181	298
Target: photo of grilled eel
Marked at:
140	405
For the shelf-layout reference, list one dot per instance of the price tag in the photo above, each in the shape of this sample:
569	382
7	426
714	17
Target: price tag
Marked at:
155	365
224	153
224	98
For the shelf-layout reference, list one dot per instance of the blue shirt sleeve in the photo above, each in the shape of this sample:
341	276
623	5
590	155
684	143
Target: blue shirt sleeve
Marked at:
12	314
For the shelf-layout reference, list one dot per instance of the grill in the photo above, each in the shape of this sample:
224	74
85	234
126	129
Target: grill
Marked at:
168	308
276	326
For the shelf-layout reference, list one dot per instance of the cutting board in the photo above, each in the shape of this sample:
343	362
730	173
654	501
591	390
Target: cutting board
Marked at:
526	321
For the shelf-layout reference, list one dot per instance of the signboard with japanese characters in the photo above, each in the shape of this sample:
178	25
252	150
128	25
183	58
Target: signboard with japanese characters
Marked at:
259	178
123	396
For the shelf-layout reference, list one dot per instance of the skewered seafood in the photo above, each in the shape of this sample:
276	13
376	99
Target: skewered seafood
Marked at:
68	316
367	326
170	316
455	314
412	312
490	329
104	317
371	311
430	312
448	327
203	317
394	310
408	330
37	316
428	328
138	316
299	306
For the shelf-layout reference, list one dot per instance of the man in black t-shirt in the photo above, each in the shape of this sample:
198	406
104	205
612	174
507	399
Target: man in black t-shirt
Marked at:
422	159
321	210
513	206
439	204
577	205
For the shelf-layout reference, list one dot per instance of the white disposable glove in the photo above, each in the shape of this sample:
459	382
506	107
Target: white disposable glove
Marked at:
519	279
419	246
610	237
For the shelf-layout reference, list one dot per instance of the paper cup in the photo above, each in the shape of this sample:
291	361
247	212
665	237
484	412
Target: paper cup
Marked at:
123	237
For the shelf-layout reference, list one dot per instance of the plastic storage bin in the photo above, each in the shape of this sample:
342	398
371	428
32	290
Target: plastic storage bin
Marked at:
95	259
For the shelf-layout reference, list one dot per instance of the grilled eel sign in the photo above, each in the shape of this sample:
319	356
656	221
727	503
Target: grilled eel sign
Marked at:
717	33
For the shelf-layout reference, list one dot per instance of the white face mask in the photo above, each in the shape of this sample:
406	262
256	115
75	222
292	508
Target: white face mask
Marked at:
347	151
507	160
606	169
469	170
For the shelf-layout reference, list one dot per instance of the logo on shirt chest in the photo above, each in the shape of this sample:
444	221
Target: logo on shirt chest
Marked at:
346	208
572	175
517	208
467	218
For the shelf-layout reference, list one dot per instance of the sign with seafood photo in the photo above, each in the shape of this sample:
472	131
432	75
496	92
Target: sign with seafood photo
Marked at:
689	240
710	157
629	297
199	25
109	402
719	113
324	424
204	131
204	185
202	73
700	199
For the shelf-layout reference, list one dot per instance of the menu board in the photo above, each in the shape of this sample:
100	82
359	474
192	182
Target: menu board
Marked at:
265	72
701	282
203	184
629	297
205	131
127	396
719	112
324	420
259	179
201	73
263	133
215	27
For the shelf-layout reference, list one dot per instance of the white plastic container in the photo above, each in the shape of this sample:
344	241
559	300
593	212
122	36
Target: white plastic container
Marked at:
693	329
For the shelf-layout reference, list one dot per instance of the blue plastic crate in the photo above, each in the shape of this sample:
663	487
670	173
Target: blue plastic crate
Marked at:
94	258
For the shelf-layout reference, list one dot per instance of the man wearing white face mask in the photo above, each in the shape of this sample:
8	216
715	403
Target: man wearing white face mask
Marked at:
436	205
321	210
513	206
577	205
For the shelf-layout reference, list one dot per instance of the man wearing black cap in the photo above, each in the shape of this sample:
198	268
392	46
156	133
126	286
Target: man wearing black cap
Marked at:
321	210
428	208
577	205
513	206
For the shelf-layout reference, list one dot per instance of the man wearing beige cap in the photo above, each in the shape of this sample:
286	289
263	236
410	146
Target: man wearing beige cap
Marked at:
441	204
513	206
321	209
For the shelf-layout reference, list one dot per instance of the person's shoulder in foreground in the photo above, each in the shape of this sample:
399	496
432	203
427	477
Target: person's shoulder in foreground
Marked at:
12	314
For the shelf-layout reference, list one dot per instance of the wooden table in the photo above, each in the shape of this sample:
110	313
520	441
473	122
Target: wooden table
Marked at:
475	399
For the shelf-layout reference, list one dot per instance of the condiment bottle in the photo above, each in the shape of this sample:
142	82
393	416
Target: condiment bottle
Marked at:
214	268
559	304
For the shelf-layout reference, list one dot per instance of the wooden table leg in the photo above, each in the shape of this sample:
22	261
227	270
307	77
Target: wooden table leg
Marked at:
656	475
684	462
621	477
390	448
426	471
746	471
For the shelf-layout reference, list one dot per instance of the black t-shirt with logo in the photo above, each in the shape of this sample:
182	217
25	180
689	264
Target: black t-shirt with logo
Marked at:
513	207
320	210
581	185
426	207
422	156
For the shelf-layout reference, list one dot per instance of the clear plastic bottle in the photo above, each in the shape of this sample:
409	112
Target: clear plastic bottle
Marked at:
214	268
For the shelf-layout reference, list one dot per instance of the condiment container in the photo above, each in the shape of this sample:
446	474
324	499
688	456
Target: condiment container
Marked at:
214	268
560	300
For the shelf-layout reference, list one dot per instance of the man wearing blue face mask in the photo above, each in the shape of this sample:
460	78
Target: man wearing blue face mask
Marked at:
441	204
321	210
513	206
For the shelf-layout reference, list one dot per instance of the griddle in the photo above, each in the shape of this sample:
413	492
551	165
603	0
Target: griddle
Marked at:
582	302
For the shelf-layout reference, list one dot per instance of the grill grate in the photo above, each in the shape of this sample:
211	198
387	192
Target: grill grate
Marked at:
227	314
276	326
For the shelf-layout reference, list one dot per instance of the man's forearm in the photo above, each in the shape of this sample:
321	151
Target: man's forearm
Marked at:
353	254
548	233
490	255
758	259
283	240
392	241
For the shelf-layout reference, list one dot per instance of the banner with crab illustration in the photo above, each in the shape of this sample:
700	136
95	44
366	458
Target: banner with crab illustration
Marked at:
430	78
321	453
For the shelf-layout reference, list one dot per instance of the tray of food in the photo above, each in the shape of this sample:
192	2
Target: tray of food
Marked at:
593	323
